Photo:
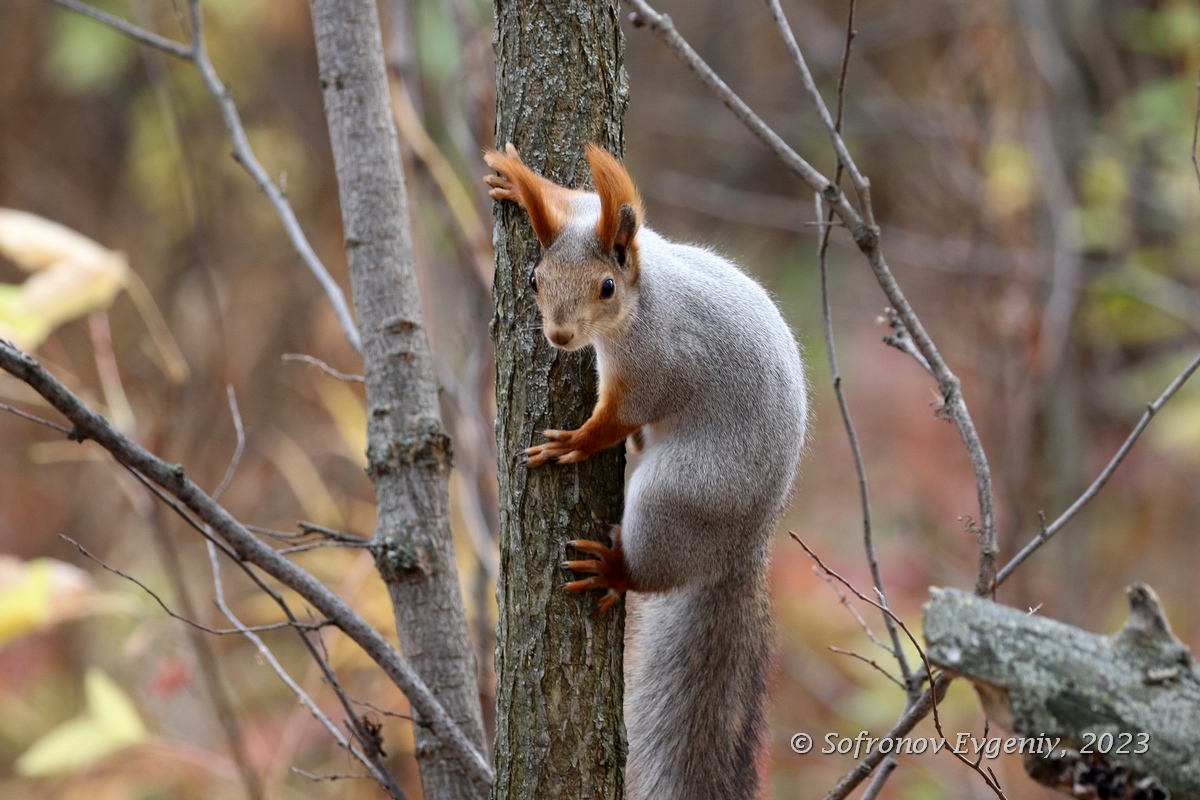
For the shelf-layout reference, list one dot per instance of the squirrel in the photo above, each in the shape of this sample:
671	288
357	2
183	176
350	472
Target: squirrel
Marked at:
697	365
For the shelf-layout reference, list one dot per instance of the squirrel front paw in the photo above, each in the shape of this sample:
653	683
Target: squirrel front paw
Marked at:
561	449
502	186
608	569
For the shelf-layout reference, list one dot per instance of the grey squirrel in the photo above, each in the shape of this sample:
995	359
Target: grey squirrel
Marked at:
695	360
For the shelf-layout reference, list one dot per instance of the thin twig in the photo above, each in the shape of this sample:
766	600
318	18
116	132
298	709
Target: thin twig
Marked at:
241	443
331	533
834	128
197	53
34	418
303	548
336	776
247	547
1049	530
244	155
662	27
321	365
376	770
283	536
988	779
171	612
910	685
900	339
170	46
383	711
862	623
872	662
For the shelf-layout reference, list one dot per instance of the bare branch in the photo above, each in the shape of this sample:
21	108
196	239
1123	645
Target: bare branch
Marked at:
377	771
988	778
901	340
857	655
303	548
662	27
861	186
1049	530
142	35
914	713
862	623
321	365
381	710
197	53
246	547
881	775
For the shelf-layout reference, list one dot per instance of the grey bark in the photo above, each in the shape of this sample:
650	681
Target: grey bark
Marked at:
408	451
559	727
1039	677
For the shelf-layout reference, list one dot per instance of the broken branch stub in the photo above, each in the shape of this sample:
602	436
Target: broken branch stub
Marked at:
1126	706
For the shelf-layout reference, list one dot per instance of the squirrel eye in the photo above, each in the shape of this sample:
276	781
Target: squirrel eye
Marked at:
533	282
607	288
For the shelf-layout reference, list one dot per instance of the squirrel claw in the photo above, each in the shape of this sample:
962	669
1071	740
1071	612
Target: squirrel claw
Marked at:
558	450
608	570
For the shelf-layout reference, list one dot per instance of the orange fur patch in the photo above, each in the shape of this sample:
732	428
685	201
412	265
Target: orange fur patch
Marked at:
546	202
616	189
604	428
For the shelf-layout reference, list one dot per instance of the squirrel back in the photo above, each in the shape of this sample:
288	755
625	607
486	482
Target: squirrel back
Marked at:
695	357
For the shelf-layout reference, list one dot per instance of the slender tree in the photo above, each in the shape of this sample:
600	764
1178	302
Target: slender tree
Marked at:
559	727
408	451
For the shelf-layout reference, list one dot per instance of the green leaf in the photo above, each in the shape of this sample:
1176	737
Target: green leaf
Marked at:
87	56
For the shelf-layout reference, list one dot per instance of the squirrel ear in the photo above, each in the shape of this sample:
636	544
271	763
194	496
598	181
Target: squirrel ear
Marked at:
627	227
620	203
543	200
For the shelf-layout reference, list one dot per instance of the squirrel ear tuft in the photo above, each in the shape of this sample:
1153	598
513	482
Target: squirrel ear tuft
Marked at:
620	203
534	193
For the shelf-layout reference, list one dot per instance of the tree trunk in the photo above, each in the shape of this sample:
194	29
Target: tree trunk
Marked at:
559	726
408	451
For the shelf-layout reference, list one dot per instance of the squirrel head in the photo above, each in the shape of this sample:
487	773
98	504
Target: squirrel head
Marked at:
586	281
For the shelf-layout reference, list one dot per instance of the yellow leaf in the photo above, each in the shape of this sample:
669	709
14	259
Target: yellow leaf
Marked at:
112	708
72	275
37	594
25	604
111	723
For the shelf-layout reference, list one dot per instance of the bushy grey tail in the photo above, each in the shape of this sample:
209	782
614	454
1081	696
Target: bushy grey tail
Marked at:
697	676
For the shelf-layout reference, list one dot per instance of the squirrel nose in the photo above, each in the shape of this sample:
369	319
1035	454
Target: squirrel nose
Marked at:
560	336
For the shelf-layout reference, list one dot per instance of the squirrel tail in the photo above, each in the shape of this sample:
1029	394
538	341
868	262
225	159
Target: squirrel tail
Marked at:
695	712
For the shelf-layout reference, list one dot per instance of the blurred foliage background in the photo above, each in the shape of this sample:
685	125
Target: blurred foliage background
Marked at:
1031	167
